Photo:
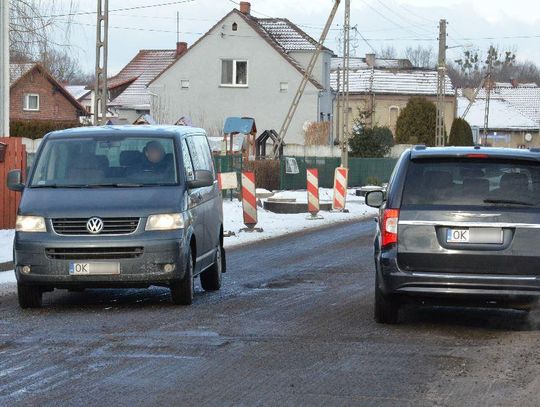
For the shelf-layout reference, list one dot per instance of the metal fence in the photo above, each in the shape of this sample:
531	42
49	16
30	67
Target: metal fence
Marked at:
361	171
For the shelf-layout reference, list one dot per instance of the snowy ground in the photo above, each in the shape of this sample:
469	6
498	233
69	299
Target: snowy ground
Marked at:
276	224
273	224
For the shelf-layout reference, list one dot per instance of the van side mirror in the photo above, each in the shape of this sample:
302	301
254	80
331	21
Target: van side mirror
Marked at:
14	180
203	178
375	199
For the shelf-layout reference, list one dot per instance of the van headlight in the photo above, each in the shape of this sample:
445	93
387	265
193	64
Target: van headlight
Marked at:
30	224
165	221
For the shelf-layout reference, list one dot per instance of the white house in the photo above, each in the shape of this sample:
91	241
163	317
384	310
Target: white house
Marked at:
248	67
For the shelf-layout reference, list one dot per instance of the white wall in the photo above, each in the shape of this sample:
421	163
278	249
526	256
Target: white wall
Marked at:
208	103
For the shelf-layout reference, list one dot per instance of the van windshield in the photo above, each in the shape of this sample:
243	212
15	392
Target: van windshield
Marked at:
472	182
101	162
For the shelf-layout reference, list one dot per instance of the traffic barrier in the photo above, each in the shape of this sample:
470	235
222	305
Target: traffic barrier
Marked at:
313	191
227	180
249	200
341	176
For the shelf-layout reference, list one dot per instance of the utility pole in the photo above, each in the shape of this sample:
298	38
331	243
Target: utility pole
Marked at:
441	77
102	40
305	79
4	68
488	84
177	27
337	112
344	111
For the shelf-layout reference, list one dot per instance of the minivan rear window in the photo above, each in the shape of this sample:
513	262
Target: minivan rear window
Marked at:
101	161
472	182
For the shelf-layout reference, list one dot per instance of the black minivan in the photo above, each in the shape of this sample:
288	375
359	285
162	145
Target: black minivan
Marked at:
458	225
119	206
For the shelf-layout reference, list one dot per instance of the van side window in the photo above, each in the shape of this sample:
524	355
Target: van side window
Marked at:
200	153
188	165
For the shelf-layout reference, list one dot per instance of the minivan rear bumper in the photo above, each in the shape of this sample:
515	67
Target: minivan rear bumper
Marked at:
142	260
459	286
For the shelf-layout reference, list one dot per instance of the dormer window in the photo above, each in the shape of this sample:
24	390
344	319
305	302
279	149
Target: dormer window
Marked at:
234	27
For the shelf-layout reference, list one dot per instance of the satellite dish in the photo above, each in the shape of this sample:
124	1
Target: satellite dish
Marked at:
528	137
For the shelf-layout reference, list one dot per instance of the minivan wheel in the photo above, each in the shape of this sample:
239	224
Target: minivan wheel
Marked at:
211	277
29	295
182	291
386	309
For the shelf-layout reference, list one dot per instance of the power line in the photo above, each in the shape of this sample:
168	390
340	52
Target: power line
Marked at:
82	13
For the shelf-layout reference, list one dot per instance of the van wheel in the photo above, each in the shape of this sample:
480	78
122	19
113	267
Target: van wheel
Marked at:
386	309
29	295
182	291
211	277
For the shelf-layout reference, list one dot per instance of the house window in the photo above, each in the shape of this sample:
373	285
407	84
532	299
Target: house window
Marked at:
184	84
393	116
234	72
283	86
31	102
234	27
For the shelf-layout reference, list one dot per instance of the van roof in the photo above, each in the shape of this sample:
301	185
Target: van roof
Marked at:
423	152
127	130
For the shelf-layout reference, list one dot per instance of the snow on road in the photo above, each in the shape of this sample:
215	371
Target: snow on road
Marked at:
273	224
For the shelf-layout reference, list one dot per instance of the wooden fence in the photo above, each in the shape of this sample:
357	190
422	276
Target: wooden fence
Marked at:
15	158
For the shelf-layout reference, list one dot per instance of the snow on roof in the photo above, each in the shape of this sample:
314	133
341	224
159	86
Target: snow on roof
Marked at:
385	81
16	71
354	63
77	91
502	115
140	71
287	35
360	63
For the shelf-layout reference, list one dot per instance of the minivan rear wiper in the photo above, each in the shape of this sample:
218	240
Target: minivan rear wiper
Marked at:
509	201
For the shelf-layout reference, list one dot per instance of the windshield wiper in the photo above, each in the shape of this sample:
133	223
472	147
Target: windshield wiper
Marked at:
509	201
115	185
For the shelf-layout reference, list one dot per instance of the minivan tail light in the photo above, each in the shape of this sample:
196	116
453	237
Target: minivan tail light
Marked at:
390	226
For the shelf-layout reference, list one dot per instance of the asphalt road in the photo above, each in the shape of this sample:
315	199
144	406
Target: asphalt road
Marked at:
292	326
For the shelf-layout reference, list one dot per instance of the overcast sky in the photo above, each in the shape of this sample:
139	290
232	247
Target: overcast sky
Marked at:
381	23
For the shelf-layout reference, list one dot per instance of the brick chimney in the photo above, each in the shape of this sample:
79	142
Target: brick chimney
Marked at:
514	82
370	60
181	47
245	7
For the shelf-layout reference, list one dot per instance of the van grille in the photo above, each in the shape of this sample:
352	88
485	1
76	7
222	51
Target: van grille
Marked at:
111	226
94	253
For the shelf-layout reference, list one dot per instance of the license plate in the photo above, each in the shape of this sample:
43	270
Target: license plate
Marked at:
457	236
93	269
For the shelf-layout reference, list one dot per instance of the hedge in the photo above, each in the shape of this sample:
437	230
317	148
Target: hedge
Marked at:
35	129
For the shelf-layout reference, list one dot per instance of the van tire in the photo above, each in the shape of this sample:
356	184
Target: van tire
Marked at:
30	296
211	277
182	290
386	309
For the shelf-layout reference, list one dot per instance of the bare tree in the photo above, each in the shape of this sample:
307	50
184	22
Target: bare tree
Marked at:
33	29
422	57
388	52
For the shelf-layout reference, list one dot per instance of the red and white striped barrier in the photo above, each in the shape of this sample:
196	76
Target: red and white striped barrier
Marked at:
249	200
227	180
313	191
341	176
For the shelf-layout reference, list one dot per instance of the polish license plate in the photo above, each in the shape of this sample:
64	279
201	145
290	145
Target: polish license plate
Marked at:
94	269
457	235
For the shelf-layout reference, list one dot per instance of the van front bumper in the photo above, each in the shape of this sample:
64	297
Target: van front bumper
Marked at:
142	259
454	287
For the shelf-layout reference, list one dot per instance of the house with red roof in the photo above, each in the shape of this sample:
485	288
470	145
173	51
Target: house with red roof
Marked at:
245	66
128	93
36	95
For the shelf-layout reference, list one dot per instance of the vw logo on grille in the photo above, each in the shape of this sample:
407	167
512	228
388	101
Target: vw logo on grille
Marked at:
94	225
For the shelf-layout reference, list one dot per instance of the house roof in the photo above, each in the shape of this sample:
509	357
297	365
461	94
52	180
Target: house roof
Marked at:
525	97
279	34
360	63
18	71
138	73
386	81
502	115
288	35
78	91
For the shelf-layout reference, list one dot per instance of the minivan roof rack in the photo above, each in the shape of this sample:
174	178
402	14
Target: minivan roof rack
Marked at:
420	147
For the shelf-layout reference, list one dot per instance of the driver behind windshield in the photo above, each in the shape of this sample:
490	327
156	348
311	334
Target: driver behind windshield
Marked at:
156	161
